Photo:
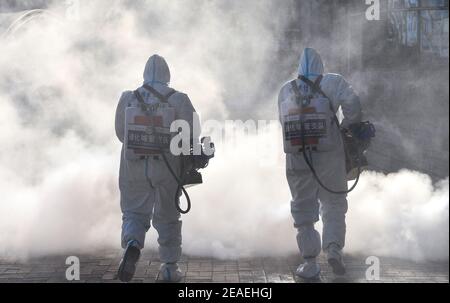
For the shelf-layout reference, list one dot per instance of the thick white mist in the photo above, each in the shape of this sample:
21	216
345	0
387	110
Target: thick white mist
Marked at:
401	215
60	81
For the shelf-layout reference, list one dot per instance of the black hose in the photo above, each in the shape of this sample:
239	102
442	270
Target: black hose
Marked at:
179	189
311	167
316	88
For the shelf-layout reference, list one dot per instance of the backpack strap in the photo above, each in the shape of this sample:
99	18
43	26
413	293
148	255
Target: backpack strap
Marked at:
298	94
162	98
140	99
316	88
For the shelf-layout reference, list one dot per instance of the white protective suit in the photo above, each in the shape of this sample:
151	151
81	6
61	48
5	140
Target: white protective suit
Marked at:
147	187
308	198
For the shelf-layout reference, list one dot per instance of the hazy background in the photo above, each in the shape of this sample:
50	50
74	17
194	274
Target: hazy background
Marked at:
60	80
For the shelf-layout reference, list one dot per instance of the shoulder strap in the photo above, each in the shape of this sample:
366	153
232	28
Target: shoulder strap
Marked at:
169	95
298	95
162	98
140	99
138	96
297	92
315	86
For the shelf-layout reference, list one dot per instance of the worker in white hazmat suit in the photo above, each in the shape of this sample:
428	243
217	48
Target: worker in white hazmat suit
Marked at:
309	199
147	187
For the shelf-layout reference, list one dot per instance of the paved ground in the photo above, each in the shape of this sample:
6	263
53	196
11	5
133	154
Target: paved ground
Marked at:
103	267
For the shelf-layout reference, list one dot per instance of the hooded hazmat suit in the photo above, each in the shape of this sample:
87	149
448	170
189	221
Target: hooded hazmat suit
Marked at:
308	197
147	187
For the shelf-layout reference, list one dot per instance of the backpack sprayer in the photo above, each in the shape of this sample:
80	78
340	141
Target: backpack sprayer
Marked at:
147	129
190	175
356	139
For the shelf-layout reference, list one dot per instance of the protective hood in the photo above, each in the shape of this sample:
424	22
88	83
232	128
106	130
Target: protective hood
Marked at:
311	65
156	71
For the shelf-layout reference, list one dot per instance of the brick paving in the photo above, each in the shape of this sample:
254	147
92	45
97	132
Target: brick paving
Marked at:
102	268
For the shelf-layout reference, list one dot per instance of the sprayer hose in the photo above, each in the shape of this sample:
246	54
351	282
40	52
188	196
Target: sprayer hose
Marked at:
311	167
179	189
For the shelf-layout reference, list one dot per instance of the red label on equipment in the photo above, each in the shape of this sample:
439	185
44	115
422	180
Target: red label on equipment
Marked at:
298	111
149	121
308	141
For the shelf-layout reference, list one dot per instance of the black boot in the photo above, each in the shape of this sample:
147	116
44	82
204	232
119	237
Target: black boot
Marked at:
127	266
